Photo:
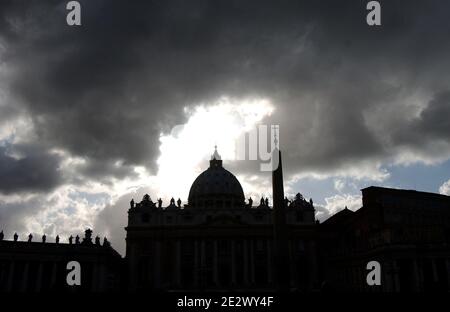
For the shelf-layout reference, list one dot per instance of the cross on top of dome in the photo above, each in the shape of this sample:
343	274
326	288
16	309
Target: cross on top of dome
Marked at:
216	160
215	155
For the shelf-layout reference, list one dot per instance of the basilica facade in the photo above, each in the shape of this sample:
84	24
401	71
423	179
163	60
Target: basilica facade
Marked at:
218	240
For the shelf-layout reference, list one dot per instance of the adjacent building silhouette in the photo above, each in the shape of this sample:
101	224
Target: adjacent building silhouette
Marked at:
219	240
41	266
407	232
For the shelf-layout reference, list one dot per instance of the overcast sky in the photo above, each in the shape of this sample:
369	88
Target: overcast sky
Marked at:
87	113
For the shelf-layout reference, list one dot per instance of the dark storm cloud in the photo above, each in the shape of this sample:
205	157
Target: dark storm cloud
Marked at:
434	121
34	171
103	171
429	130
104	91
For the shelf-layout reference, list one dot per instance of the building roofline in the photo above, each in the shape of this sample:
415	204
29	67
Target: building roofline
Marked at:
397	190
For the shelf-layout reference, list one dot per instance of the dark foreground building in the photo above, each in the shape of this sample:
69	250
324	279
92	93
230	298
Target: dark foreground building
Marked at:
42	266
407	232
220	241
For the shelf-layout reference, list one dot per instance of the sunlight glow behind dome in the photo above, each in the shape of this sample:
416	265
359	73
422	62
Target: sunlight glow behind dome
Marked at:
186	150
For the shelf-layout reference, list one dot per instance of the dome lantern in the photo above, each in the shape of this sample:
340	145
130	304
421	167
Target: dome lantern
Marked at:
216	160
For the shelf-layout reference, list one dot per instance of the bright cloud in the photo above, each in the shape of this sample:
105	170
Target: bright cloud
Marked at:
445	188
339	185
336	203
186	150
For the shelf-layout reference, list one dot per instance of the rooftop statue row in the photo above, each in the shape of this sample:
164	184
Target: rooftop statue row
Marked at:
147	202
263	203
298	202
87	240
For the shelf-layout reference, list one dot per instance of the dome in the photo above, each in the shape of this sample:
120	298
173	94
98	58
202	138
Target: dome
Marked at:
216	186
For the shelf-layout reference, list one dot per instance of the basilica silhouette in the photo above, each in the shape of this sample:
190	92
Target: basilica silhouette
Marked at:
219	240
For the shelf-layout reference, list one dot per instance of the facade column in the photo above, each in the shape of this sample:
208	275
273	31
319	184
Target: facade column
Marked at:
386	273
196	264
292	266
178	263
215	264
53	278
203	267
245	252
95	276
357	278
23	286
157	265
269	262
395	276
233	263
415	276
420	265
104	283
39	277
435	273
252	261
313	262
447	262
133	264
